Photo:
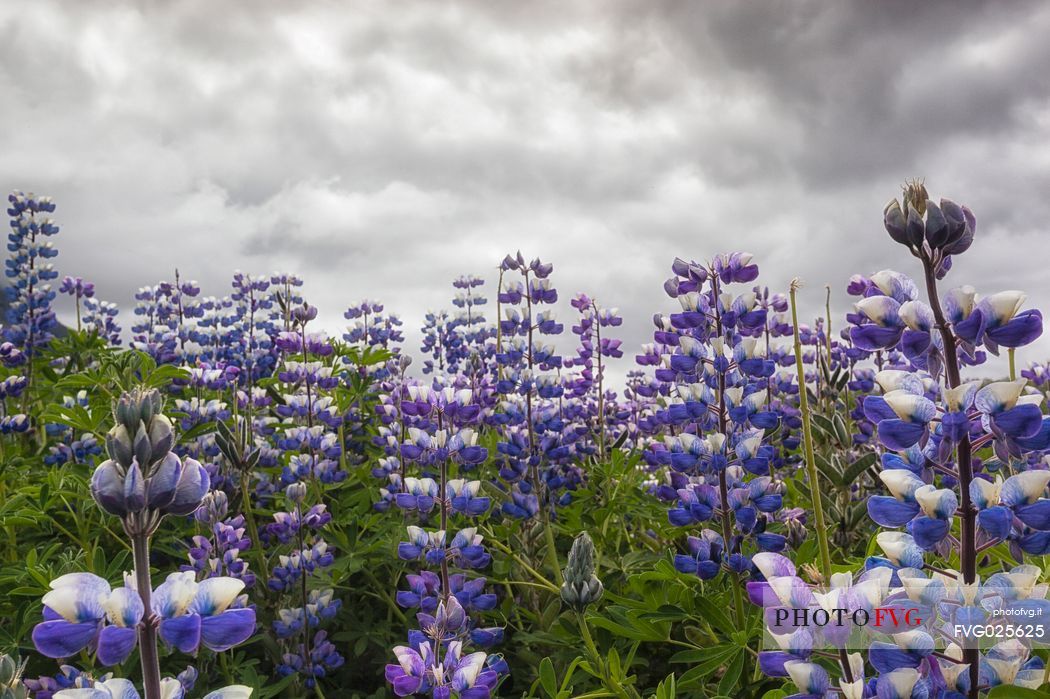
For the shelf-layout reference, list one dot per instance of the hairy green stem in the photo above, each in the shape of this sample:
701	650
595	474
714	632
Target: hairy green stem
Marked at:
147	631
811	462
807	440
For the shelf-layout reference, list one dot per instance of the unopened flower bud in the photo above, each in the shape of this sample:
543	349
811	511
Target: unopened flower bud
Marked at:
134	489
118	445
214	507
107	488
163	480
142	448
11	686
161	436
192	487
305	313
581	586
296	492
137	407
7	670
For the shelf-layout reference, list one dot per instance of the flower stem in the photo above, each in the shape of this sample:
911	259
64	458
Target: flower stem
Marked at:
807	439
968	538
596	658
446	589
147	630
723	485
811	462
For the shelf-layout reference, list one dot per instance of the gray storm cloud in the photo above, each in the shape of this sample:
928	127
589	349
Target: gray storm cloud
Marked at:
380	149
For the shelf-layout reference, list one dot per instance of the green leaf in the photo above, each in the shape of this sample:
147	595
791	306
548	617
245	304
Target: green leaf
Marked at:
274	690
666	612
197	431
548	680
824	425
667	688
713	614
858	467
732	675
715	659
691	656
840	429
614	663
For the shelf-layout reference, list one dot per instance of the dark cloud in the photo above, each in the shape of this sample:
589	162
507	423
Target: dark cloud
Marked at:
380	150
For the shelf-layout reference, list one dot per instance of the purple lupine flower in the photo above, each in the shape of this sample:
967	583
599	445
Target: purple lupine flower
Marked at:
419	670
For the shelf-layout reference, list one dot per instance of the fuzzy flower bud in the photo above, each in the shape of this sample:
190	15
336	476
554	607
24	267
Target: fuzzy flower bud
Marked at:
581	586
138	406
296	492
11	686
142	473
214	508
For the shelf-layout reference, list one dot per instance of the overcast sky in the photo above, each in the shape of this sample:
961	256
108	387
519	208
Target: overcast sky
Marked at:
380	149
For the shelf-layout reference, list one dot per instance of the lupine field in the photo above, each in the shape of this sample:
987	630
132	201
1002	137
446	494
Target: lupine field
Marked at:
208	495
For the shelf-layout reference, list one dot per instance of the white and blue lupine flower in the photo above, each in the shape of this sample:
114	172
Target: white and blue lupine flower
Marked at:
928	591
908	650
926	510
463	496
954	671
418	494
956	421
416	544
1023	494
998	320
794	646
781	587
1010	662
811	679
884	326
74	611
898	380
938	505
959	303
900	507
1020	496
115	688
910	425
919	343
905	683
910	459
900	551
903	412
1009	416
854	689
124	611
898	286
194	614
81	611
1020	583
